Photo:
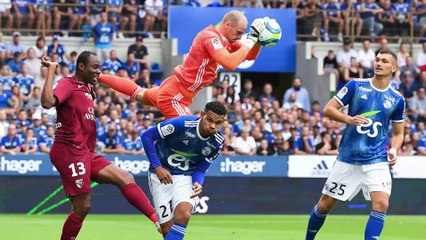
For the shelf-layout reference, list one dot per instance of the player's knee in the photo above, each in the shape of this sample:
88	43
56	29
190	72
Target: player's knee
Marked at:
380	206
182	216
82	211
127	178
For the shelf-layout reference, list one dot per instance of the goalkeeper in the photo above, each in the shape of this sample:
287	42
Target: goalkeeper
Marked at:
213	46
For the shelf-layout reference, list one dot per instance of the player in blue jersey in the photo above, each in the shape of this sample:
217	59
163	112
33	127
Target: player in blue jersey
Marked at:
180	151
363	161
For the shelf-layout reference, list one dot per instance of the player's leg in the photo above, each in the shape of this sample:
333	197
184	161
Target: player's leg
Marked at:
342	184
378	182
182	191
74	170
105	172
173	99
74	222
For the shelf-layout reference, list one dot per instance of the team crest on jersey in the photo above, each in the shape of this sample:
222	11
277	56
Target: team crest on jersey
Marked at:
387	104
217	44
79	183
206	151
88	95
342	92
167	129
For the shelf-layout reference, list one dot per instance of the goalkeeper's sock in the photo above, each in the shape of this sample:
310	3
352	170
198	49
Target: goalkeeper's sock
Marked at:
71	227
315	223
177	232
374	225
122	85
135	196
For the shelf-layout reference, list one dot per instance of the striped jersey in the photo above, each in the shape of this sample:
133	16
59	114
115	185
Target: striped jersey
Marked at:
366	143
199	68
181	147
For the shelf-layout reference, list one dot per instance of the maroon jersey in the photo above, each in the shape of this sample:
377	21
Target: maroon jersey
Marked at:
75	123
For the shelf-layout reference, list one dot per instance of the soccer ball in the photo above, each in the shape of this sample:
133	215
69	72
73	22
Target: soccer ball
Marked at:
271	34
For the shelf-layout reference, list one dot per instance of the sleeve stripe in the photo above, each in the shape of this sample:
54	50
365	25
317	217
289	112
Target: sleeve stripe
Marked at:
338	100
159	130
398	121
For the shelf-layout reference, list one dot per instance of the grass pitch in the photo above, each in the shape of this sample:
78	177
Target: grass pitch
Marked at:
210	227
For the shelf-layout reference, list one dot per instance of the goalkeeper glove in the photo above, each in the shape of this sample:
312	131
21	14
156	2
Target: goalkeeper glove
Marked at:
255	29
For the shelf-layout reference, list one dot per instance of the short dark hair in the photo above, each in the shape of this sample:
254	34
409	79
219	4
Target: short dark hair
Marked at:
216	107
388	51
84	57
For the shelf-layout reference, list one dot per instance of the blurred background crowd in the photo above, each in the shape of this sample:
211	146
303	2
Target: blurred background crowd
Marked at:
260	121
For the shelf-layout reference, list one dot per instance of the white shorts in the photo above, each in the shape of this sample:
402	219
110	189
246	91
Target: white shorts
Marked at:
167	197
346	180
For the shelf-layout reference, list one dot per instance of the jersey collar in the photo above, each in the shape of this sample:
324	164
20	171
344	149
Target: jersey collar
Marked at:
198	131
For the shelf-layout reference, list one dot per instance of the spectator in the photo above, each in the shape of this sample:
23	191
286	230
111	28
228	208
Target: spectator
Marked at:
247	89
5	13
43	12
245	144
103	34
80	12
265	149
2	48
132	67
57	48
35	100
420	16
113	142
154	12
330	64
16	63
366	58
40	48
411	67
11	143
145	125
29	144
421	146
368	13
344	55
305	143
331	14
45	142
354	71
72	63
144	79
129	15
6	98
313	18
25	82
406	86
292	103
60	11
418	106
112	63
231	97
326	146
140	52
386	18
421	81
23	9
403	17
97	7
421	56
301	92
403	54
113	8
384	44
16	46
267	93
33	63
133	144
18	97
6	78
229	142
4	124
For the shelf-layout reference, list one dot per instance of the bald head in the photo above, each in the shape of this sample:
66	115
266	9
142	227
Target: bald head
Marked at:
234	17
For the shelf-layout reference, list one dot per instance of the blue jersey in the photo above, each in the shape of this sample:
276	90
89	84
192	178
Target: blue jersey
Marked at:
4	98
60	50
46	141
366	143
180	147
103	34
130	145
110	142
26	83
10	143
8	82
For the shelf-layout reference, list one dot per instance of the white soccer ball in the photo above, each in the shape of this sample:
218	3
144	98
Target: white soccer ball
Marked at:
271	34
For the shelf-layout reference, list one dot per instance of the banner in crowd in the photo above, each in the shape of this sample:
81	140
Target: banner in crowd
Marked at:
186	22
310	166
238	166
410	167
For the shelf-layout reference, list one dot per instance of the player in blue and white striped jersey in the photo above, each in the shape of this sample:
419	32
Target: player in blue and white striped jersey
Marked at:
363	161
180	151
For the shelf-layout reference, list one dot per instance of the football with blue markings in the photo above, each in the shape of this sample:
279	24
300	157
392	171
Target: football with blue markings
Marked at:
271	34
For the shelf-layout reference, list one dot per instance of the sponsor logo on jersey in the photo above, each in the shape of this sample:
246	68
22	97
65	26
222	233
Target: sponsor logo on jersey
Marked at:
364	89
342	92
79	183
167	129
58	125
189	134
206	151
387	104
370	128
88	95
90	115
217	44
244	167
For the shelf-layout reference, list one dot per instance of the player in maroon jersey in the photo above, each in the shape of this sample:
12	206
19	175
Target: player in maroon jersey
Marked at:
73	152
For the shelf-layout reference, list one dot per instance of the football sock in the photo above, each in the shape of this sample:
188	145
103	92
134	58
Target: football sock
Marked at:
135	196
374	225
177	232
71	227
122	85
315	223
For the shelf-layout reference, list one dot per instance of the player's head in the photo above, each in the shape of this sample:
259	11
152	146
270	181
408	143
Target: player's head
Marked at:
385	63
88	67
212	118
233	25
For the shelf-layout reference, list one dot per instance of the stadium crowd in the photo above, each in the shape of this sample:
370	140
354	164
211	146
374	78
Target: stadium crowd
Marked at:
259	123
325	20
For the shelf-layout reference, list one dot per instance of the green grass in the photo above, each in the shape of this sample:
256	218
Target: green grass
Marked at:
210	227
